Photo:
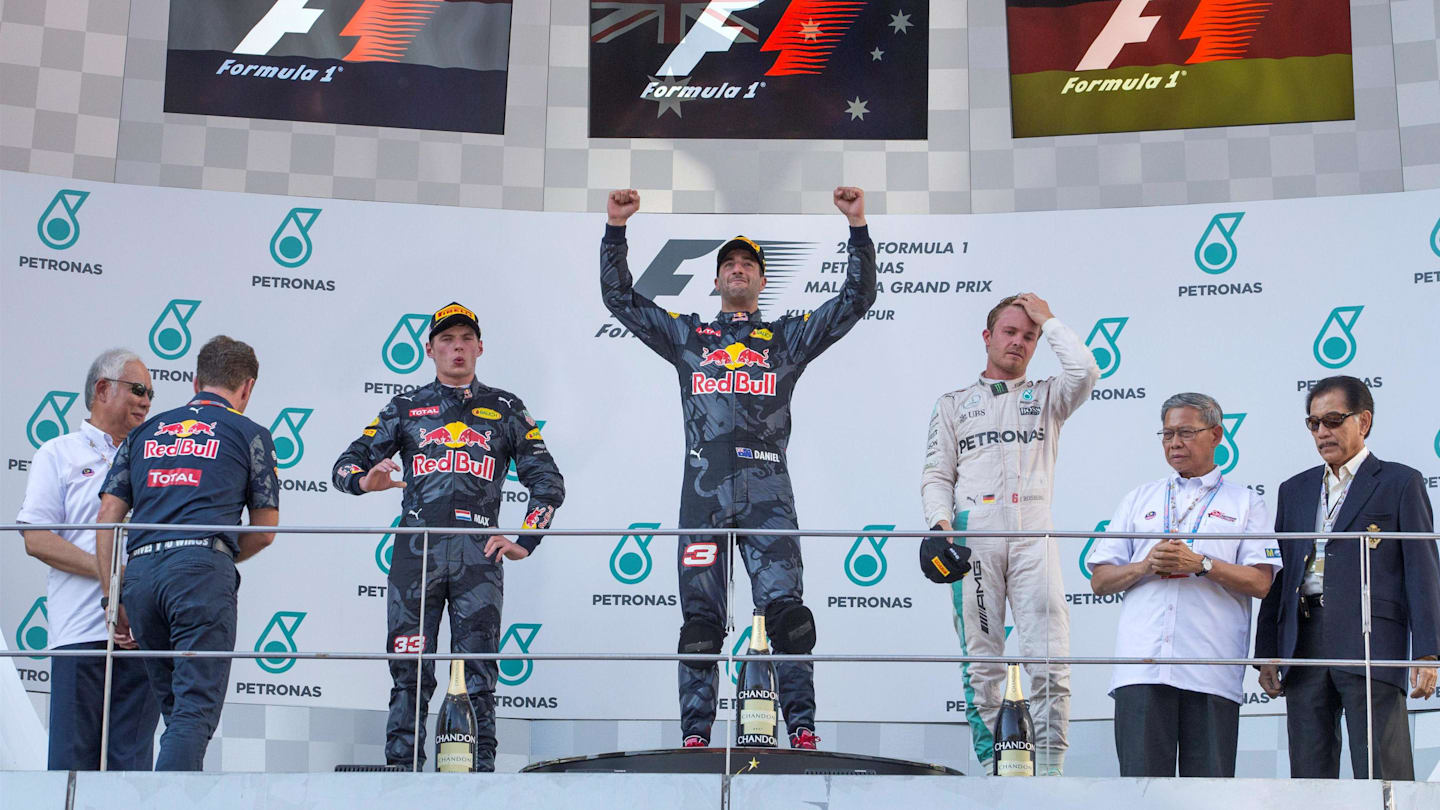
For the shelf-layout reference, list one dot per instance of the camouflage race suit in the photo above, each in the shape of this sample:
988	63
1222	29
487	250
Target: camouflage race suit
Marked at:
455	445
737	424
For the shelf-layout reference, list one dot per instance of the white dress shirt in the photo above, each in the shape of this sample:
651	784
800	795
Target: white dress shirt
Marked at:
1186	616
64	487
1336	488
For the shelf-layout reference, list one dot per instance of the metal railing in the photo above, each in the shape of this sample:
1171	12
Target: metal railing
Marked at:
732	536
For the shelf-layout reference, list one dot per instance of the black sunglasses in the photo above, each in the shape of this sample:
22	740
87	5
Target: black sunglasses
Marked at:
1329	420
138	389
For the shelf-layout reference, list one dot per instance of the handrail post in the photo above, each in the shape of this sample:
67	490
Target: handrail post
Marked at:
420	653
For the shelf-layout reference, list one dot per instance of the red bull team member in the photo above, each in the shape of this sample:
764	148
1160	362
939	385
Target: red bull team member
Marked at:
737	372
456	438
990	464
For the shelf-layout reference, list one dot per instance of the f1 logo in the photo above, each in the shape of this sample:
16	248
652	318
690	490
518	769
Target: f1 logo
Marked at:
710	34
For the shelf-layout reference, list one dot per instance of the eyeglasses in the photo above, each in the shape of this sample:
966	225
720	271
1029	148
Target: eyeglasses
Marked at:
138	389
1185	434
1330	420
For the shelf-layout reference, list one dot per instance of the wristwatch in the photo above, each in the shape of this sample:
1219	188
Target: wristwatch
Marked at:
1205	565
104	603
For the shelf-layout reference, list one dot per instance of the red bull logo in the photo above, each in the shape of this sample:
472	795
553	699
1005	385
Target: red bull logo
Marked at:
734	382
456	435
186	427
736	355
453	461
182	447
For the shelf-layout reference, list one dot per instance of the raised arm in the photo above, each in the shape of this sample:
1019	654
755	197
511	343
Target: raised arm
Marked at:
662	331
832	319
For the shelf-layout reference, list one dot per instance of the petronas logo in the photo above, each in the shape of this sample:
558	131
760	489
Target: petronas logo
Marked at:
404	351
1335	344
48	420
385	550
630	562
519	637
170	334
1085	552
1103	343
285	430
279	637
59	226
1216	252
291	246
1227	452
865	564
34	630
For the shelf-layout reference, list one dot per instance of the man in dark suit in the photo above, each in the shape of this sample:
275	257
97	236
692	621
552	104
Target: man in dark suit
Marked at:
1313	609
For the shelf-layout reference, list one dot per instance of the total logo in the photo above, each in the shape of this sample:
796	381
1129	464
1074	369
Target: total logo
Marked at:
290	448
1216	253
34	630
59	229
631	564
866	566
1104	345
170	338
290	248
278	638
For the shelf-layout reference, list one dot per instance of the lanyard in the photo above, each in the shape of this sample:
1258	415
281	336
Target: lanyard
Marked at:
1332	512
1199	516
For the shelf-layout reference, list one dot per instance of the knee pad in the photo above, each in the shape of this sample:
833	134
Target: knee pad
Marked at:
701	637
791	627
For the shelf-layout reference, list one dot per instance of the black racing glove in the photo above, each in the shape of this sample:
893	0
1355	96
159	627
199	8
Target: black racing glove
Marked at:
943	561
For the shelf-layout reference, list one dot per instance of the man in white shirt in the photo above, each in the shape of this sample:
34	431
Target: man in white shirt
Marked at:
1183	599
64	487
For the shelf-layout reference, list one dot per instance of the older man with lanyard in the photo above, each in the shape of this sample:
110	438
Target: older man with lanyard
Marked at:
64	487
1185	598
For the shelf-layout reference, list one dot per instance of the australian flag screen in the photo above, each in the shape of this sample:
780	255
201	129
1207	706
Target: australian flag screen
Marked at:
850	69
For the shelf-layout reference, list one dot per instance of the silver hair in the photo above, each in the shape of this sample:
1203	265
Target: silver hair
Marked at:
1209	409
108	366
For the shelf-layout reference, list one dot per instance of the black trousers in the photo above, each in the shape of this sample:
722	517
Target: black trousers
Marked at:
1157	724
1314	700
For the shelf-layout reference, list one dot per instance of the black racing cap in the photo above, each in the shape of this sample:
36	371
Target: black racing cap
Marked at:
453	314
743	243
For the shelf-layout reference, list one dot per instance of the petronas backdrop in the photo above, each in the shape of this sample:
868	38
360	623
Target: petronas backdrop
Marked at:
1246	302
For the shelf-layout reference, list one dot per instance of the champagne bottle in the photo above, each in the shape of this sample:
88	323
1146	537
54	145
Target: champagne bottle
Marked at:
455	730
756	697
1014	731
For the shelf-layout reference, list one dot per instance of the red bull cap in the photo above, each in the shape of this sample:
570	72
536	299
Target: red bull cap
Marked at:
743	243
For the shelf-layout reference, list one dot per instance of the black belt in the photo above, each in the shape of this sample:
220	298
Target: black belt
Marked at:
1310	605
216	543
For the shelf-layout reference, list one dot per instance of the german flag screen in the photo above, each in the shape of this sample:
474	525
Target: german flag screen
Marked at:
1084	66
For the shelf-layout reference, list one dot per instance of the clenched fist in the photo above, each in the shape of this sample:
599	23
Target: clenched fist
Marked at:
621	204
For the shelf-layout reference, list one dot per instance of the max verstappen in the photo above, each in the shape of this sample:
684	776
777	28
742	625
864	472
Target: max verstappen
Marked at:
456	438
990	464
736	372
